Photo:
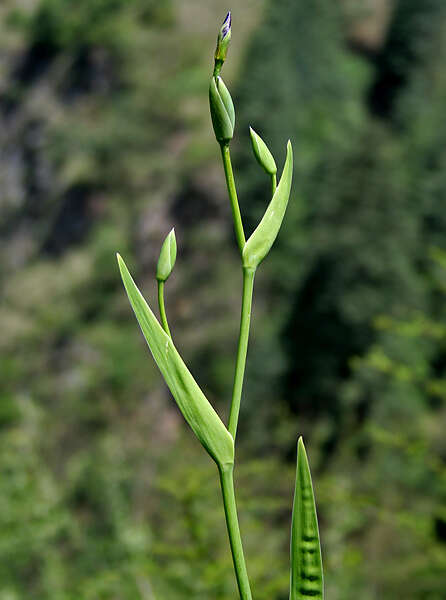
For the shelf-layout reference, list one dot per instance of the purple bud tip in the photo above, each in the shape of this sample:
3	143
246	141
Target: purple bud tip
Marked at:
226	25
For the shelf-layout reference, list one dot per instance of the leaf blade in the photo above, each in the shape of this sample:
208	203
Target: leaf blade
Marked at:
195	407
306	560
263	237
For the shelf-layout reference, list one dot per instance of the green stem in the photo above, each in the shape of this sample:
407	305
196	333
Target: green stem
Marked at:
239	233
273	184
217	68
235	540
242	350
162	307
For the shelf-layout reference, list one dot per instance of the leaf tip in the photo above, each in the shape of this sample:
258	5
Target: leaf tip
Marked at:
301	449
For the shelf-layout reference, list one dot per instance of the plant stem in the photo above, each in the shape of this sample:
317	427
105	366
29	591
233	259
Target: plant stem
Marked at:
226	472
235	540
273	184
242	350
239	233
162	307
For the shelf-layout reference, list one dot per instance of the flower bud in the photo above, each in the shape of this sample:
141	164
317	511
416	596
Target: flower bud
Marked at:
262	153
167	257
222	110
223	39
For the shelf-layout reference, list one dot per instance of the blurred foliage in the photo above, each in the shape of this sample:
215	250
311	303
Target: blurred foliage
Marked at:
354	258
107	143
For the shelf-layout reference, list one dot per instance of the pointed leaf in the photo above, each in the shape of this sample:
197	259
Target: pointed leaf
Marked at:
261	240
196	409
306	562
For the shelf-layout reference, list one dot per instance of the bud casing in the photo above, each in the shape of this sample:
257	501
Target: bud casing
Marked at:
222	110
167	258
262	153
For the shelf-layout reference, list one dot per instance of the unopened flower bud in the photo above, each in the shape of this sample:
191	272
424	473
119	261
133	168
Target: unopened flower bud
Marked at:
223	39
262	153
222	110
167	257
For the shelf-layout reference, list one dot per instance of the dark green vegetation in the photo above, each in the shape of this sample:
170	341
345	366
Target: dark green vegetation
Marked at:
106	142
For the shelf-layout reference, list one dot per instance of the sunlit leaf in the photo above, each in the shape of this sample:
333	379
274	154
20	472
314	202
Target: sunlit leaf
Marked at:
197	410
261	240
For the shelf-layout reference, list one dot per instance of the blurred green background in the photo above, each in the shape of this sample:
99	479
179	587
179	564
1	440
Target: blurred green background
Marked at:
105	144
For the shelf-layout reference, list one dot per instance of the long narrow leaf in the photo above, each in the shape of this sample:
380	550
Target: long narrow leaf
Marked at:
306	561
196	409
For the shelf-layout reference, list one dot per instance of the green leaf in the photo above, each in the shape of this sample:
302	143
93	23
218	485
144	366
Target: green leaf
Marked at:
261	240
306	561
168	256
222	110
262	153
196	409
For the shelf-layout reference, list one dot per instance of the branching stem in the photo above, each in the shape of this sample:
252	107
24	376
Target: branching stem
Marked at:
226	472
